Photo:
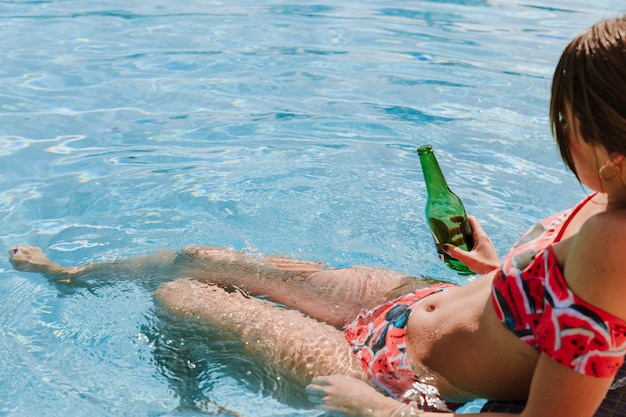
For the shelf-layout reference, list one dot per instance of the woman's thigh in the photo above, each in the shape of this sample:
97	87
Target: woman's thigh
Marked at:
298	344
332	295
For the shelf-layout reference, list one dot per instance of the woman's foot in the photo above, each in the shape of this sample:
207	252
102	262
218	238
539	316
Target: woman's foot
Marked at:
32	259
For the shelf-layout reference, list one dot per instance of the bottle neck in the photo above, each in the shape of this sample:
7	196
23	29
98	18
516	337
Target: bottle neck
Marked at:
433	176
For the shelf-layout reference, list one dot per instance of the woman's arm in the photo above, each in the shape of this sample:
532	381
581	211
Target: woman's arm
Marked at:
354	398
556	391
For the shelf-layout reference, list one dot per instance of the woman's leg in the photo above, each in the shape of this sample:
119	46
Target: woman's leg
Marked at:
331	295
285	338
32	259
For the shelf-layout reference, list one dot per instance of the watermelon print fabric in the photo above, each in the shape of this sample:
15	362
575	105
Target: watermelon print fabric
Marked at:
378	339
532	299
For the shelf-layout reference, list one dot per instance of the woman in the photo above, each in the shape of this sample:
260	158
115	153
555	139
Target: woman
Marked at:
569	271
548	324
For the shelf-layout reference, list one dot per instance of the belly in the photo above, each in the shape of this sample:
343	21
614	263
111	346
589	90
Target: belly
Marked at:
457	336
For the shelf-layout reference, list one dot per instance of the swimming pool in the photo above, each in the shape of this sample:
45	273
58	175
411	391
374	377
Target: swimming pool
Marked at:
267	126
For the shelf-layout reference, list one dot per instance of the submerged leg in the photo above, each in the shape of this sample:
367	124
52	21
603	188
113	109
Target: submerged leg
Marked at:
156	266
331	295
299	345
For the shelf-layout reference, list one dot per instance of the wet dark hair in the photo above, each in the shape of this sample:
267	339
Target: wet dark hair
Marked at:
591	79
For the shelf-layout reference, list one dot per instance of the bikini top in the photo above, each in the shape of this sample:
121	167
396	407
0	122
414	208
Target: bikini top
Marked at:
533	300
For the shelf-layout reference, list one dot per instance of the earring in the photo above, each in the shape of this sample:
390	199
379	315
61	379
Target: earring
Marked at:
609	171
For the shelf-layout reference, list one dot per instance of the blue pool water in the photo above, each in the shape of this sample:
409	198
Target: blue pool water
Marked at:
267	126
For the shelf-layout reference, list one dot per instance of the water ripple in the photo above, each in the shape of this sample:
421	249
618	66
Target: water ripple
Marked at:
267	127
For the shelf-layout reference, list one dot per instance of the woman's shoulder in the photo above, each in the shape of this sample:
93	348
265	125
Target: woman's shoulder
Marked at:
596	263
604	230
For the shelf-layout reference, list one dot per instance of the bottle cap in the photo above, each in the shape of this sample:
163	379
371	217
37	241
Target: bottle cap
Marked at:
424	149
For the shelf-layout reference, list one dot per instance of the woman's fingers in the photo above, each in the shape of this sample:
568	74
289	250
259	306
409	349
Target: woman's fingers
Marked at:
483	257
315	390
315	393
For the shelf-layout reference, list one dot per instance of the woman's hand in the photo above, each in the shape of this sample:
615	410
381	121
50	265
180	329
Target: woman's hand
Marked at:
351	397
483	257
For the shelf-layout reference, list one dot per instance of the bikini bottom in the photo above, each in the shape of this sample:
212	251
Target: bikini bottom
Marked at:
377	337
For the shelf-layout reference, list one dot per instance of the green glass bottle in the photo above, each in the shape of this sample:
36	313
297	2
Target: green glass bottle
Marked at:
445	212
